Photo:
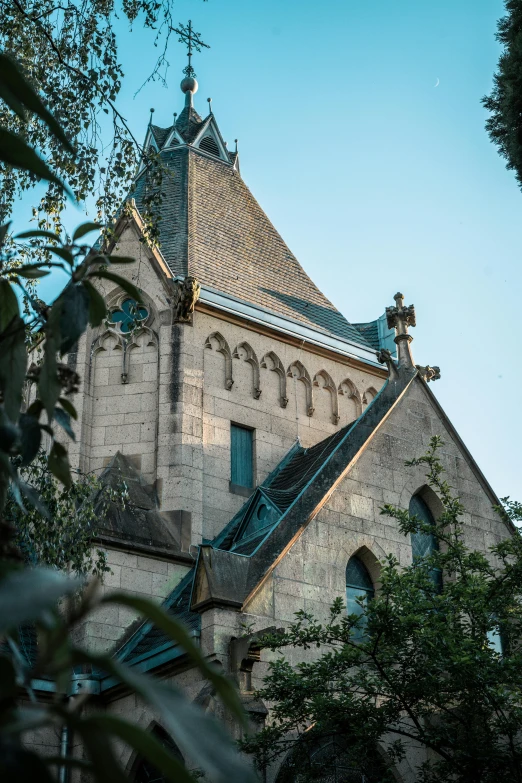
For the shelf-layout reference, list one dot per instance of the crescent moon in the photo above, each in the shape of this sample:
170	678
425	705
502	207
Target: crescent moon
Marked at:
437	82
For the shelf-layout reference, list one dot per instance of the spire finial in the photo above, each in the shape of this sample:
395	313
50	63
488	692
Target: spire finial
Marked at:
209	101
193	41
399	318
151	113
236	145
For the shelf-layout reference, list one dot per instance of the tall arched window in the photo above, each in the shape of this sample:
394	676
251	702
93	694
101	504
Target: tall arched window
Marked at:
329	760
359	589
145	772
423	544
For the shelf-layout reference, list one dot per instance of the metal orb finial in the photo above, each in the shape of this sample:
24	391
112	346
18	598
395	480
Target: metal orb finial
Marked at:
189	84
209	101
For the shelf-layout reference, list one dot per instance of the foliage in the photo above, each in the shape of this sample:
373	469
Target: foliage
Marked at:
69	53
504	103
58	326
426	671
63	537
32	596
46	599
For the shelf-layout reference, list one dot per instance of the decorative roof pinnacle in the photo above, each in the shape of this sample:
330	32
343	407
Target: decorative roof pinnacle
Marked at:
151	113
400	318
193	41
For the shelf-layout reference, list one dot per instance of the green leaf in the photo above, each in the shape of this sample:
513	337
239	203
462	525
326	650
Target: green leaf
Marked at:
21	764
32	272
16	153
9	434
38	233
62	252
100	751
8	684
74	315
127	286
20	89
97	307
3	232
27	595
58	462
35	408
84	229
64	420
197	735
34	499
31	437
178	633
13	365
69	407
145	744
8	304
49	388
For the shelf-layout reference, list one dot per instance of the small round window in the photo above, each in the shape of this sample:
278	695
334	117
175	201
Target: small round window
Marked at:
129	316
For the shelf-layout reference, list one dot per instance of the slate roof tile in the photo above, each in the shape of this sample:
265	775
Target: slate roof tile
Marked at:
213	229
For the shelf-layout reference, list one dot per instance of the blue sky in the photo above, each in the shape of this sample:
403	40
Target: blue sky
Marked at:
378	180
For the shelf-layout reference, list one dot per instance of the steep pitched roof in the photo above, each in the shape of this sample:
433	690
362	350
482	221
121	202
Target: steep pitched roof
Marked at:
212	228
302	480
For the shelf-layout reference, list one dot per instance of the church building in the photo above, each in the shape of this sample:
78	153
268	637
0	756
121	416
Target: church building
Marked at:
258	431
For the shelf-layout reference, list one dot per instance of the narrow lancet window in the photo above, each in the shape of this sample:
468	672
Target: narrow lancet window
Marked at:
359	591
423	544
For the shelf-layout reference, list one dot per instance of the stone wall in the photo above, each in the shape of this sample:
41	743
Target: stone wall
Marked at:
167	400
137	574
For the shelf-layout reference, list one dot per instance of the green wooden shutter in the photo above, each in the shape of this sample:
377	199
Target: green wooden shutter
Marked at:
241	454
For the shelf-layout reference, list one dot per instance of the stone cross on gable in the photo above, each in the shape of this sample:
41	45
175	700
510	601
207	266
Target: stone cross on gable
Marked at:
400	318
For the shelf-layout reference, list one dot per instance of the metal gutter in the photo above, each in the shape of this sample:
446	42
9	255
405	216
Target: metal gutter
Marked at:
298	330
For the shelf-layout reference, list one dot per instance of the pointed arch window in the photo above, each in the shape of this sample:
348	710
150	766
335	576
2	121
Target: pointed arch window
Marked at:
423	544
359	590
145	772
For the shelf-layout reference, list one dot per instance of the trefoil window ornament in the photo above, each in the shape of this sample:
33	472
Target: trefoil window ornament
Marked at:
129	316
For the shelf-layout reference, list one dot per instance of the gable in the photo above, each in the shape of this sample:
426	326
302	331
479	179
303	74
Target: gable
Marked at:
312	573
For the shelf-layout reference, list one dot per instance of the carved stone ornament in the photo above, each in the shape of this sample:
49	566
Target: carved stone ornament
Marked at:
428	373
384	356
400	318
186	294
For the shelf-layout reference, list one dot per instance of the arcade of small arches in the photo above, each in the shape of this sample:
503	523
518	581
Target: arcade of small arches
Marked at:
296	371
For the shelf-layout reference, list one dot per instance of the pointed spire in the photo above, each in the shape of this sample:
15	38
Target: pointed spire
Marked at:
209	101
150	120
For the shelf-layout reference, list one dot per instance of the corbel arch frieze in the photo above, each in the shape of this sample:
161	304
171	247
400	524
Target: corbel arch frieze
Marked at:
298	371
369	395
224	349
322	379
251	359
125	343
271	361
347	388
